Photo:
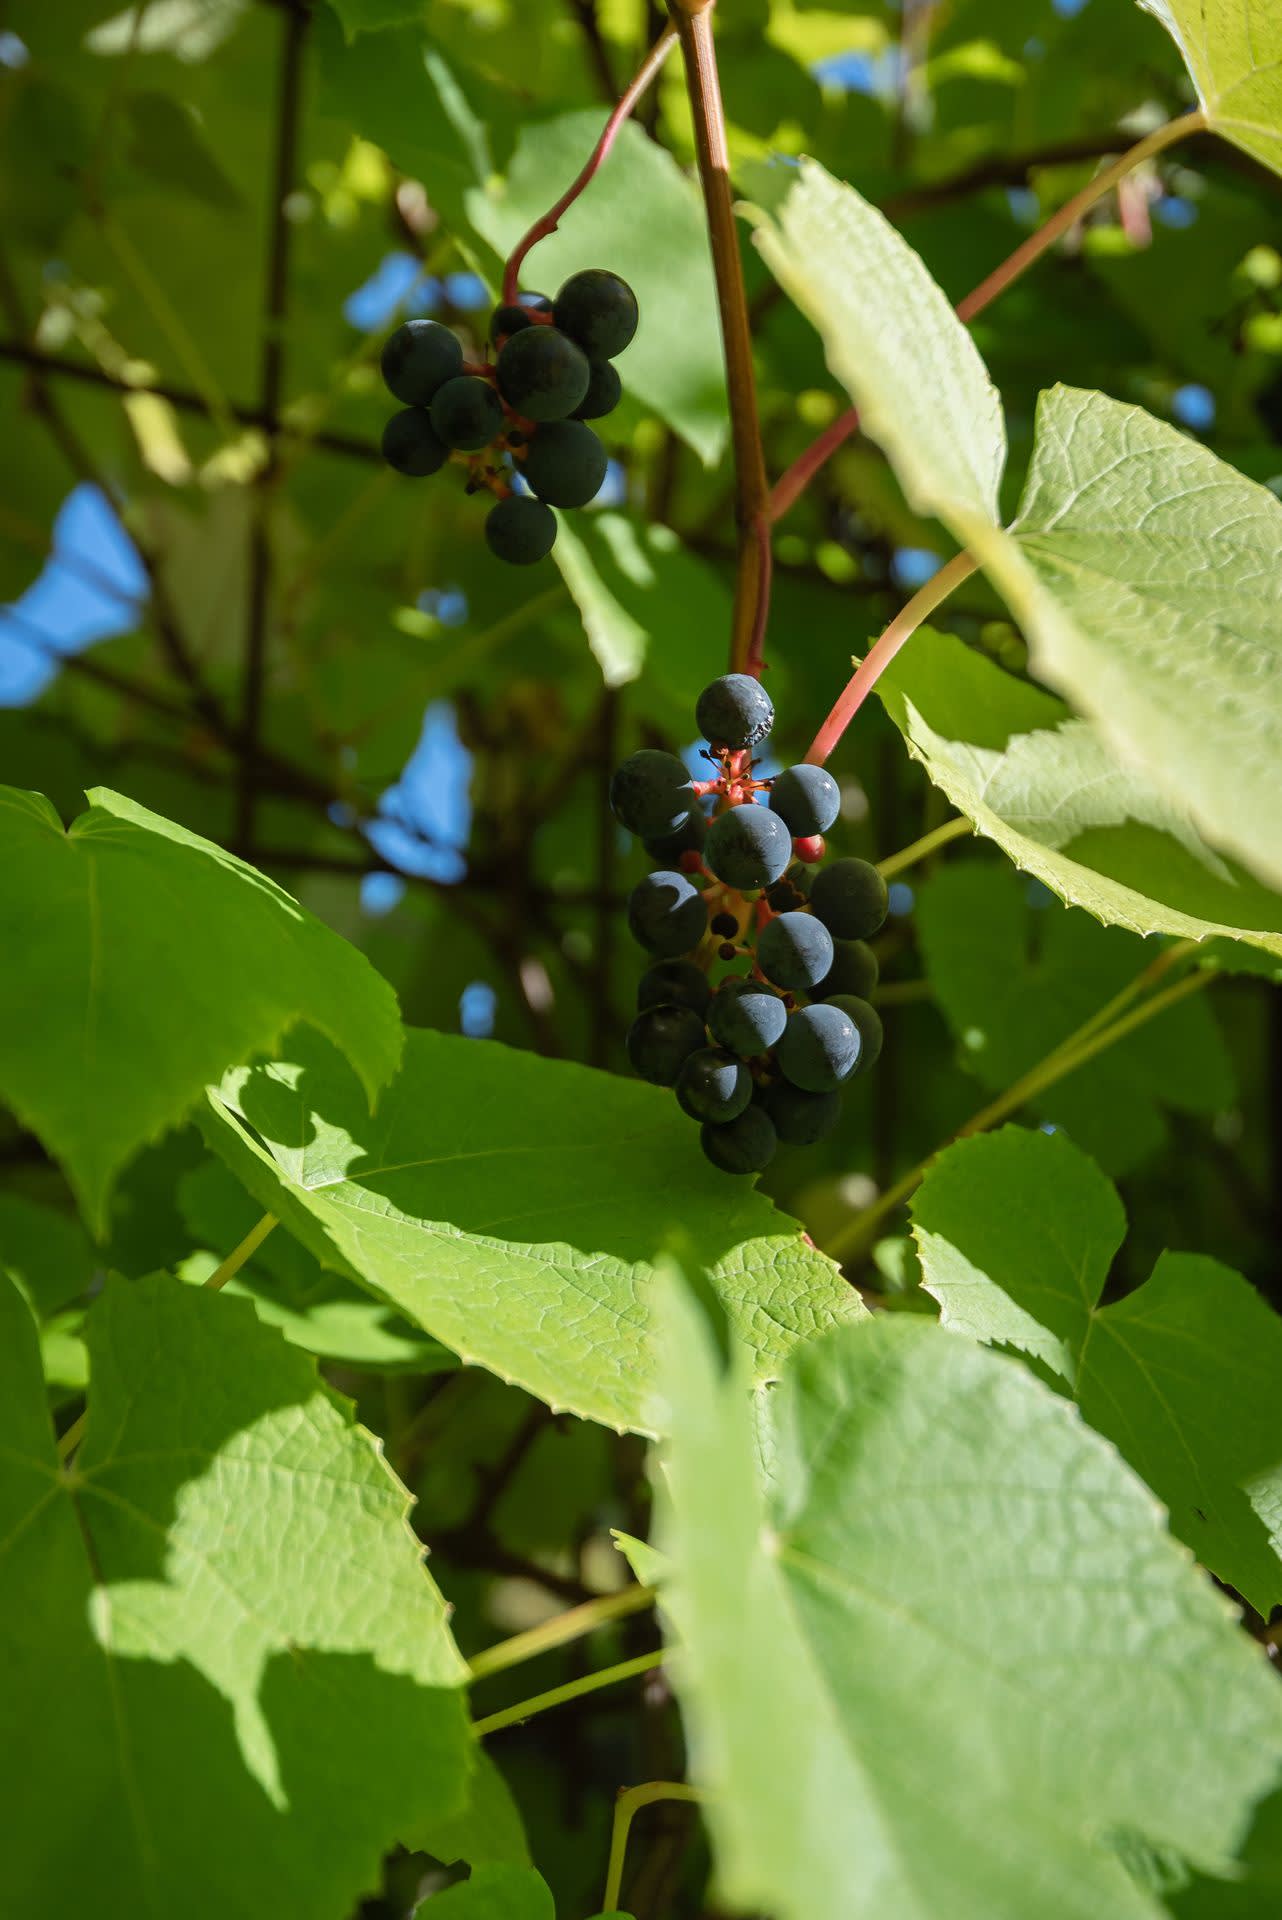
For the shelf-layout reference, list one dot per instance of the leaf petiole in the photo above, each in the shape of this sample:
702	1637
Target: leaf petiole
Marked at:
572	1690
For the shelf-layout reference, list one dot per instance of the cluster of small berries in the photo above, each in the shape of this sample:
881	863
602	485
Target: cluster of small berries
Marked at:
523	413
756	1009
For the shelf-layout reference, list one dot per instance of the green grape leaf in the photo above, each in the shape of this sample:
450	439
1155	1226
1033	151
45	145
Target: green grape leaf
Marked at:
1233	49
142	962
1255	1890
485	1830
1016	1232
644	217
398	91
1014	981
497	1195
1143	570
984	1678
1151	597
651	611
892	339
370	16
1045	788
498	1891
238	1686
46	1252
165	143
315	1309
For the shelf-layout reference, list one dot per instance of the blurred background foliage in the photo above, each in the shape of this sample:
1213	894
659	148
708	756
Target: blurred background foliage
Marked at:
219	602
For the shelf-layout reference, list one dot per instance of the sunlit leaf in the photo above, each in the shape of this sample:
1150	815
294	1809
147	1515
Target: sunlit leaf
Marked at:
984	1679
226	1666
1016	1233
495	1196
141	962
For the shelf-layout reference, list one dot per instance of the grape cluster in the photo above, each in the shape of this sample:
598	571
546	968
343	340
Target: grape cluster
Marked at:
524	412
755	1008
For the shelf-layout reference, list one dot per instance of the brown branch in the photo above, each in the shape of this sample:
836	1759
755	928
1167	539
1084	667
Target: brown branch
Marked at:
752	581
19	353
596	160
271	381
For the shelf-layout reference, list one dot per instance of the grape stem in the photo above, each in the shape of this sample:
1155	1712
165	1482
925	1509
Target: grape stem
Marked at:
882	652
609	134
752	573
562	1629
1082	1045
626	1807
792	484
572	1690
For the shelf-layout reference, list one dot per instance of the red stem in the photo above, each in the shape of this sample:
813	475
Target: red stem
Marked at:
752	568
609	134
790	485
882	652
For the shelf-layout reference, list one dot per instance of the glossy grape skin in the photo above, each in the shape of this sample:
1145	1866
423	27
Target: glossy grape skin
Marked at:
795	951
565	464
850	898
667	848
746	1017
676	983
713	1086
598	310
747	847
666	914
801	1119
807	800
520	530
412	445
467	414
734	711
605	390
418	359
820	1048
868	1021
661	1040
541	374
854	970
744	1145
650	793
